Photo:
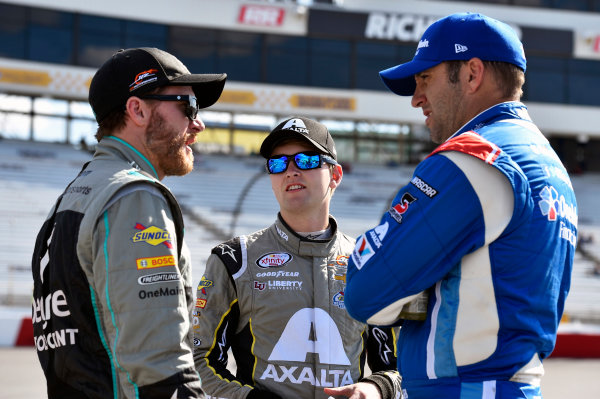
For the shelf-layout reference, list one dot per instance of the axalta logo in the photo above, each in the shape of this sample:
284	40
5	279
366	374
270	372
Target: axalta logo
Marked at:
310	331
274	259
143	78
297	125
157	261
554	206
401	207
152	235
379	233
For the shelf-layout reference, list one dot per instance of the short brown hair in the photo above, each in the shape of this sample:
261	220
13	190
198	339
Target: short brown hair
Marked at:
116	119
509	77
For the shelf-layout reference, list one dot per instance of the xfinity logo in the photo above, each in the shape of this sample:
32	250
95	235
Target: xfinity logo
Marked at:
404	27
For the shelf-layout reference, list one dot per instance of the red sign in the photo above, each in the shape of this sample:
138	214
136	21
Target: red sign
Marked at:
261	15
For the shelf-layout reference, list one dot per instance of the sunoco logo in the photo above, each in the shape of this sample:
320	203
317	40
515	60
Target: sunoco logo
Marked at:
274	259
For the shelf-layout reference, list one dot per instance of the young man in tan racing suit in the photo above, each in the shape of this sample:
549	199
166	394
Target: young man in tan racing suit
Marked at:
276	296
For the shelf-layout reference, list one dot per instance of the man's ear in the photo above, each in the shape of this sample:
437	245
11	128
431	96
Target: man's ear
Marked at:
336	176
138	111
474	72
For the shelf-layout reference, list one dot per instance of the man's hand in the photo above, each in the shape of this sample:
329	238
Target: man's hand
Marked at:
361	390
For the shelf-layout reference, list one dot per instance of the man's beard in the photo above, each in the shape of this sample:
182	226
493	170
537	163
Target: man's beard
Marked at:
168	147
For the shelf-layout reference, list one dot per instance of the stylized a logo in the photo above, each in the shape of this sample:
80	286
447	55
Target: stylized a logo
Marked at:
295	341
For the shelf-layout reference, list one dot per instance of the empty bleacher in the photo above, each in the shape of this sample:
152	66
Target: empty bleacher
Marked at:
32	175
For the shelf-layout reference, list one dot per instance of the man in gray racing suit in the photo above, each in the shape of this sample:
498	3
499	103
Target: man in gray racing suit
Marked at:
112	275
276	297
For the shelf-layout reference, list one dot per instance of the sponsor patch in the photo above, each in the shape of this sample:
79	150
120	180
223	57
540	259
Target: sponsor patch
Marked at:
340	277
152	235
160	292
286	285
362	252
200	303
282	233
401	207
342	260
158	278
203	284
554	206
379	233
143	78
157	261
338	300
278	273
423	187
297	125
274	259
85	190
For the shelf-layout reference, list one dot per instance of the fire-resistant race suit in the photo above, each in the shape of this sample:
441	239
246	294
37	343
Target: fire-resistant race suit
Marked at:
277	300
488	225
112	285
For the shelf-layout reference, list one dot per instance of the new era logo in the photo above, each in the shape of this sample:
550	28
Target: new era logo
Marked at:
459	48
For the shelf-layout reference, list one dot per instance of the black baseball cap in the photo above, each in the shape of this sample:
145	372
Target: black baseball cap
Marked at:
136	71
306	129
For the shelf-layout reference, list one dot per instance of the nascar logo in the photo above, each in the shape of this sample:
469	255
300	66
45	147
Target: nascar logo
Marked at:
274	259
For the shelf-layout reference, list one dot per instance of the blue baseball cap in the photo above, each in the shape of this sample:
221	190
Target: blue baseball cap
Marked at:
460	36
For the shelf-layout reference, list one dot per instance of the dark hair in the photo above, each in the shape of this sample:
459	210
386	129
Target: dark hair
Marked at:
294	140
508	76
116	119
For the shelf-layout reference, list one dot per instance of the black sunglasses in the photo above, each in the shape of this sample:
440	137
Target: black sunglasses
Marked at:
304	161
191	108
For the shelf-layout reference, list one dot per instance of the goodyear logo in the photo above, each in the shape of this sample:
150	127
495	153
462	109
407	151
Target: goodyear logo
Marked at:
157	261
152	235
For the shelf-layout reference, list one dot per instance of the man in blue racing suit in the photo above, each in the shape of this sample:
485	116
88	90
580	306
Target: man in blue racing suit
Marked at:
487	227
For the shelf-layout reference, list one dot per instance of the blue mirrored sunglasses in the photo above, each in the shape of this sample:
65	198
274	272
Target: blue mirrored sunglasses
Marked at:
191	108
303	160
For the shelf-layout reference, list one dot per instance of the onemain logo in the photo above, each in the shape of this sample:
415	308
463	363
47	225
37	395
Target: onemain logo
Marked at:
403	27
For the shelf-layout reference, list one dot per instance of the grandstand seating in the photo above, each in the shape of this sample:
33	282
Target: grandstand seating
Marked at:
32	175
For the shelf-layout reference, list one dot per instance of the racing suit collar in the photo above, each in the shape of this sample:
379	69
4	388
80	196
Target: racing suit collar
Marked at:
116	146
301	245
505	110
